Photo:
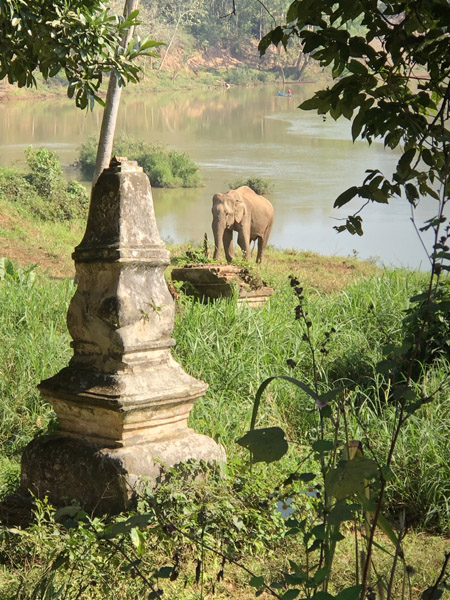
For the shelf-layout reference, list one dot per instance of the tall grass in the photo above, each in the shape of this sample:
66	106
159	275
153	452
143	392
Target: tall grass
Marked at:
234	348
35	345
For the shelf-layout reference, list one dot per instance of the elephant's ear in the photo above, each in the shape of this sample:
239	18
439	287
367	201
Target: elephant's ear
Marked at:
239	210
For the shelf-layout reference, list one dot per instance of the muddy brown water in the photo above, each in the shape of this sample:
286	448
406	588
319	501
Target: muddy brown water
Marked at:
235	133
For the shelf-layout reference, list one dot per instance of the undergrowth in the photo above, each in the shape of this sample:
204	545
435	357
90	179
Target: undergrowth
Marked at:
43	191
198	534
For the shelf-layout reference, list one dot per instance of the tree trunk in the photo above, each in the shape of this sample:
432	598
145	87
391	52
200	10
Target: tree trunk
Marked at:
106	139
171	41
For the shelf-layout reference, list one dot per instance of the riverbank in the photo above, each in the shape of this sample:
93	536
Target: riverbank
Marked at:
49	245
202	72
233	349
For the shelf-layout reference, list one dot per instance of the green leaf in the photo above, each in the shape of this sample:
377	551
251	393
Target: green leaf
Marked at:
341	512
345	197
138	540
432	593
256	581
322	596
163	572
307	477
406	159
291	594
355	66
382	523
124	527
323	446
350	593
320	575
266	445
312	103
349	477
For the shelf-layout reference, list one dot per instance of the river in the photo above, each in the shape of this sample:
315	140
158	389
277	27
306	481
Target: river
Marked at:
235	133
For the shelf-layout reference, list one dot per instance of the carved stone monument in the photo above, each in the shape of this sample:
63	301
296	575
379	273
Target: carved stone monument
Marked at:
123	401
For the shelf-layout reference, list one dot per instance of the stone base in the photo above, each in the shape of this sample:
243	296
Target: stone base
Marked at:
105	480
212	281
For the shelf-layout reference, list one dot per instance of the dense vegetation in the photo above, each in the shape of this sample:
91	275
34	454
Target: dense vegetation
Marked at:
357	439
43	191
238	348
221	28
165	168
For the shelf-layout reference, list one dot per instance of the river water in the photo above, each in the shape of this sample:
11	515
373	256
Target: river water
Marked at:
235	133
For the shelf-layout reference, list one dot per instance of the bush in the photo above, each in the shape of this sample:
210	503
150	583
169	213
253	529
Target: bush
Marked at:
258	185
44	191
46	172
165	168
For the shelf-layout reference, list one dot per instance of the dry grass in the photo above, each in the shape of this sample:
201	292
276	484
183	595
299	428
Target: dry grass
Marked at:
26	241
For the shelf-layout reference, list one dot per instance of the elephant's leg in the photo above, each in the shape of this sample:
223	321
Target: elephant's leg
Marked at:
262	243
244	243
228	244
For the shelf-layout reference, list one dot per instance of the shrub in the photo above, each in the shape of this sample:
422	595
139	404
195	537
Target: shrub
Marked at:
44	191
46	172
165	168
258	185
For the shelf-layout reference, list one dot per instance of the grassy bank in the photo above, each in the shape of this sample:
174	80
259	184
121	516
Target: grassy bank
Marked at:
353	312
233	349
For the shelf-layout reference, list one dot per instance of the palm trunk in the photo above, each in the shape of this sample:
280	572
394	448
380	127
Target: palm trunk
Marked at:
106	139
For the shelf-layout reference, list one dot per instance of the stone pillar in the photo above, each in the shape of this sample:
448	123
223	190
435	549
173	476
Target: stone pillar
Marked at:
123	401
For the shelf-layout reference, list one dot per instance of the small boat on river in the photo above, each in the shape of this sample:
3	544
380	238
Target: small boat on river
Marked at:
288	93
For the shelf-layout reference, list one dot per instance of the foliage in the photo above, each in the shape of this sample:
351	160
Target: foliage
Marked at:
348	485
258	184
46	172
44	192
79	39
149	550
398	92
237	515
165	168
434	312
247	76
193	254
392	81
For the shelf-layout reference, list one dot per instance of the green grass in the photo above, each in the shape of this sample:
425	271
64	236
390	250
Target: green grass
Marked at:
233	348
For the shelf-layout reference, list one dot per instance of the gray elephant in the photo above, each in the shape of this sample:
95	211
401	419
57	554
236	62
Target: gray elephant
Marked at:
246	212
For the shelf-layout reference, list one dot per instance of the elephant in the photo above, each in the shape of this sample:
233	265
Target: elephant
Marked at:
246	212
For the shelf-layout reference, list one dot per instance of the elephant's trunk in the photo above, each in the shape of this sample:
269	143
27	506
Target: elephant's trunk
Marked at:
218	226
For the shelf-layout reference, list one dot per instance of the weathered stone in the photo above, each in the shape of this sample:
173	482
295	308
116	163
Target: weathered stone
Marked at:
123	402
212	281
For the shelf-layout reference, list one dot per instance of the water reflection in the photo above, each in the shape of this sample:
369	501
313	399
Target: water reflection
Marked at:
234	133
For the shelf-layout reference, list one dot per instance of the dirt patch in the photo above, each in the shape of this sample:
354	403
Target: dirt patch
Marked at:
26	243
47	263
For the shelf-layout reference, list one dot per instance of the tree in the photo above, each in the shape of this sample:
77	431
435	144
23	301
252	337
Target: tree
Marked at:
77	38
83	40
108	127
